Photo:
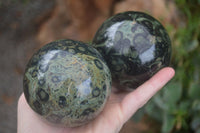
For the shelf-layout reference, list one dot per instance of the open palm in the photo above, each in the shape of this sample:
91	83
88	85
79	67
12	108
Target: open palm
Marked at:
119	108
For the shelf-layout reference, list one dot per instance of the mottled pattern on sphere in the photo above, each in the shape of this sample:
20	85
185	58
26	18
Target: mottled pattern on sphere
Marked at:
135	46
67	82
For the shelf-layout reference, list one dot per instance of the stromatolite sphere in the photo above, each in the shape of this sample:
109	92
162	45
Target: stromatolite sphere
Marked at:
135	46
67	82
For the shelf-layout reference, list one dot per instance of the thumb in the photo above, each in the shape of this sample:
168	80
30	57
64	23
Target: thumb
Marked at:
136	99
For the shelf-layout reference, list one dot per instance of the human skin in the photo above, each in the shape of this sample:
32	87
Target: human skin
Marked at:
118	110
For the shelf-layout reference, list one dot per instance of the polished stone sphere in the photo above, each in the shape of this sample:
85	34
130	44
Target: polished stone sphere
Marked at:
67	83
135	46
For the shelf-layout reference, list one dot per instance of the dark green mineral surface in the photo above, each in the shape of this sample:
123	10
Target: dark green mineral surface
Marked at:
135	46
67	82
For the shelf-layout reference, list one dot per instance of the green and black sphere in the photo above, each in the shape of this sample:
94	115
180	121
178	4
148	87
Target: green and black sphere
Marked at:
67	83
135	46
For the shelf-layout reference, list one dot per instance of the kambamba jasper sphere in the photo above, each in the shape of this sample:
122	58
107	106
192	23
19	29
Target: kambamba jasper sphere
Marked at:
135	46
67	83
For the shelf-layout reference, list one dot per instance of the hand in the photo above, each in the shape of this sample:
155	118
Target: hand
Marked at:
119	108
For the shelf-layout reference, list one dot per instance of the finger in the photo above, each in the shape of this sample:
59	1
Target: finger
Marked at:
26	118
136	99
21	115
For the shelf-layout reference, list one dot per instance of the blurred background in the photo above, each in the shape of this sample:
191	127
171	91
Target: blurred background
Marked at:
26	25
